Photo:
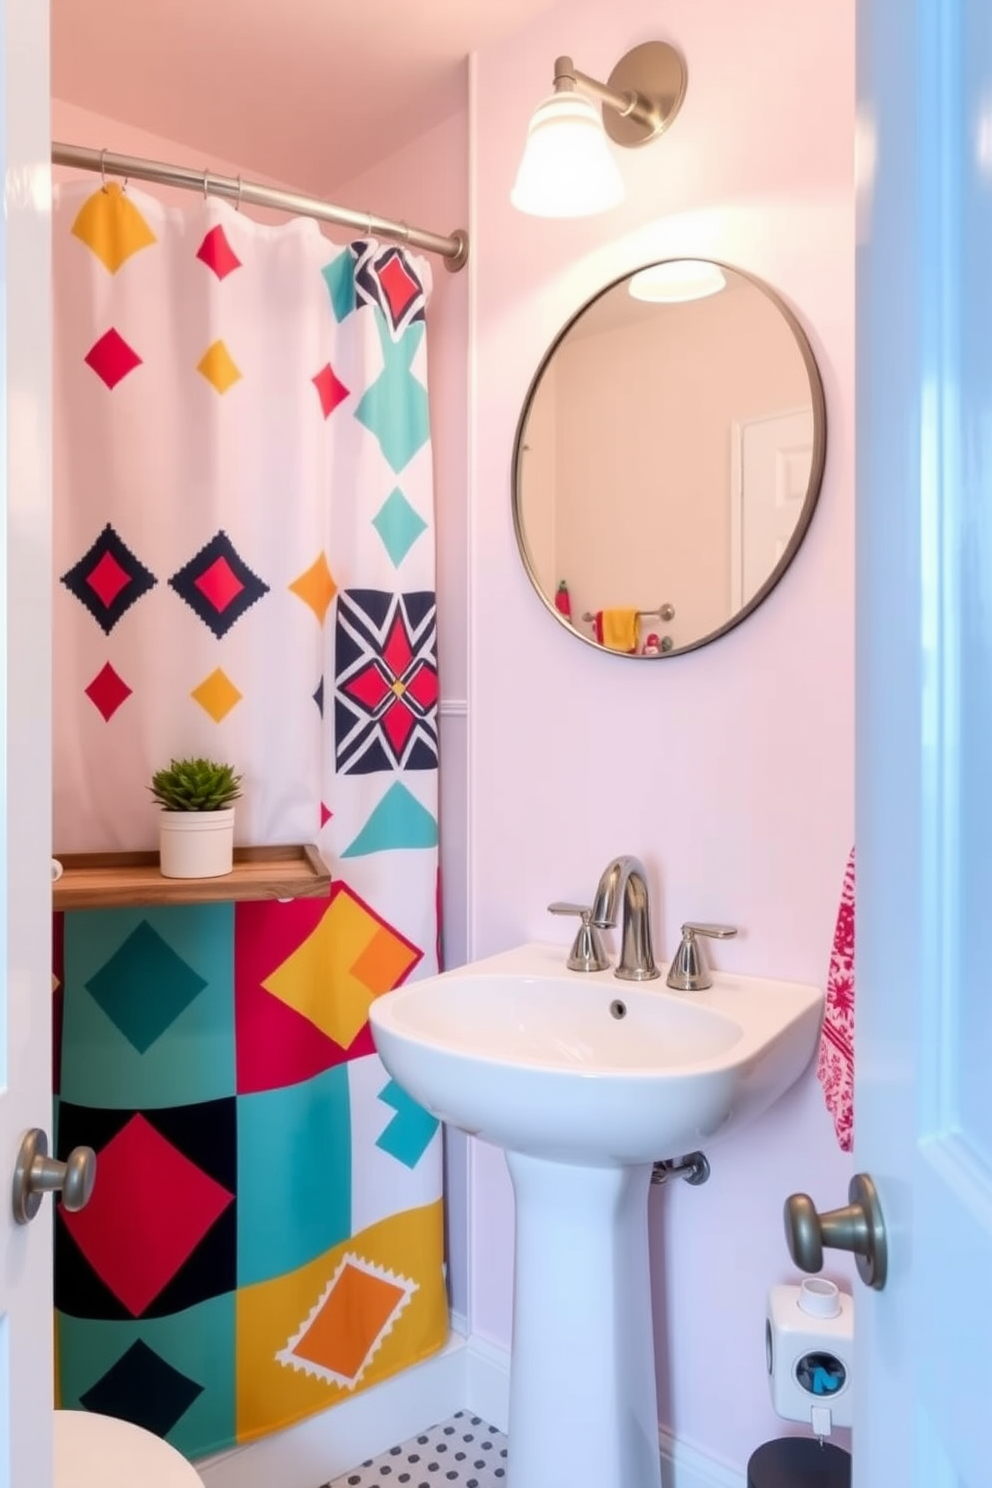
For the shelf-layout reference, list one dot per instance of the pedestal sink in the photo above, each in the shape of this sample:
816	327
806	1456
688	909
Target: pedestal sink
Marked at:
586	1081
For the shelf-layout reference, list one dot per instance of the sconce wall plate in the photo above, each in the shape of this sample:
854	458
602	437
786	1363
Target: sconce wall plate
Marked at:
655	71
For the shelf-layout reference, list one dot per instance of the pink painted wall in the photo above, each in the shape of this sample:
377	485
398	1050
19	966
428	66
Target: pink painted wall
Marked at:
72	125
743	807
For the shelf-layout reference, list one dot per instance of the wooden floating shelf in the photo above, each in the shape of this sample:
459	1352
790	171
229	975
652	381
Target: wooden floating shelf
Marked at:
114	880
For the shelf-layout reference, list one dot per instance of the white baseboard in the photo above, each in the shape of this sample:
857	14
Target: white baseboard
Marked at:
487	1382
683	1466
327	1445
468	1374
459	1323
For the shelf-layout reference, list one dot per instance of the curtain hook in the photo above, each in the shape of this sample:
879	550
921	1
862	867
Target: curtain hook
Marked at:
103	168
206	172
406	233
368	223
237	205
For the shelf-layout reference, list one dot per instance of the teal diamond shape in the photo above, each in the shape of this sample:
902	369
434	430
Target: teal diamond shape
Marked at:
398	525
394	407
409	1134
144	987
339	276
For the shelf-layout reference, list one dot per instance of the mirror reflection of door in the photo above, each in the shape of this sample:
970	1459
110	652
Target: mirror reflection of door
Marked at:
771	460
650	466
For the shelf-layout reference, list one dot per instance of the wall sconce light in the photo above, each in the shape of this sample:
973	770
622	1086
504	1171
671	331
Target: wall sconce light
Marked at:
568	169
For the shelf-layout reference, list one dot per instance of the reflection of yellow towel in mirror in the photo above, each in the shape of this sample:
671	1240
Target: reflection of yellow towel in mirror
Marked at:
621	629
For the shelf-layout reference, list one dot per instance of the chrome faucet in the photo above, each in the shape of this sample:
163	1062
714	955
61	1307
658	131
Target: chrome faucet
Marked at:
624	881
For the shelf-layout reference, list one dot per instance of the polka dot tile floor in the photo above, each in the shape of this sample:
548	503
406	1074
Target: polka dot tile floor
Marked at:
464	1452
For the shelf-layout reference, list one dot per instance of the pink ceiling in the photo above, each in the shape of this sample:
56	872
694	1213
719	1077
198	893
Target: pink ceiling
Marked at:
310	92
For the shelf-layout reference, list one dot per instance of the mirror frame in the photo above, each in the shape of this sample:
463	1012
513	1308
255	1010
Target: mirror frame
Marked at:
813	487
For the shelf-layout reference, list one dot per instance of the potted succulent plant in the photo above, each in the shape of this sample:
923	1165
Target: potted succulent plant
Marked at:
196	828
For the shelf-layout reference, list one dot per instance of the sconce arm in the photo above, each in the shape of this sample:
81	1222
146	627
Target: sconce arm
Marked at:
629	104
641	96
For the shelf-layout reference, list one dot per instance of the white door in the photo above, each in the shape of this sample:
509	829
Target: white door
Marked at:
25	731
923	1113
771	460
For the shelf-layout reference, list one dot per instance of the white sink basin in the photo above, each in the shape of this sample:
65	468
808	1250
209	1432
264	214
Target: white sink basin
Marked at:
533	1057
587	1080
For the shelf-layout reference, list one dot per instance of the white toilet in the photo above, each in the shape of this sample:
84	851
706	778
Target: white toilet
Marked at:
94	1451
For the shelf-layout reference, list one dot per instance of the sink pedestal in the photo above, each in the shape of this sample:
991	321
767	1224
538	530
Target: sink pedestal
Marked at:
520	1051
583	1402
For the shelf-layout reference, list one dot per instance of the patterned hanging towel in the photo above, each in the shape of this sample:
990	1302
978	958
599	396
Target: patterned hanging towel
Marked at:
836	1063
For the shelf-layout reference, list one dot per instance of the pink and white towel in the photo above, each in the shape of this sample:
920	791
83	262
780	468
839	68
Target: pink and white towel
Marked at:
836	1063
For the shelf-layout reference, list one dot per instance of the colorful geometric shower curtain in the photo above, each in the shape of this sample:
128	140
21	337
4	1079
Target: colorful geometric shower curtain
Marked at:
244	551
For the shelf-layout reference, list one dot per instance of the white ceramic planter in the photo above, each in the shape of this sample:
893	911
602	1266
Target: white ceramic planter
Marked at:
196	844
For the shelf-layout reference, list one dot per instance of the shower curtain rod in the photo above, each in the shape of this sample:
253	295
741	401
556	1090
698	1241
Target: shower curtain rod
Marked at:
453	248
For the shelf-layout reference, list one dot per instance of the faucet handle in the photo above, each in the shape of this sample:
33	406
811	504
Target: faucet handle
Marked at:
715	932
689	971
588	952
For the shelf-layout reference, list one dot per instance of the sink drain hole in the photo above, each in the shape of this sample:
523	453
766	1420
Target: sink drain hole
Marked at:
618	1009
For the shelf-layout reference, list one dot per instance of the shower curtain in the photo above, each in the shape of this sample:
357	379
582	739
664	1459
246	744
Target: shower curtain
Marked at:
244	551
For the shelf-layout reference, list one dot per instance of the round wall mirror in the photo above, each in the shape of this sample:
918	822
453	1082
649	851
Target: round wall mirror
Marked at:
668	458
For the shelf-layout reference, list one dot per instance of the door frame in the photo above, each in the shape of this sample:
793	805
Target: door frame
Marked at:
738	429
26	1316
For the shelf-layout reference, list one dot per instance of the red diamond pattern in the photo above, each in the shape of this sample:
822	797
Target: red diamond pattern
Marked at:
384	708
111	358
216	252
107	579
398	723
219	584
330	389
397	652
369	687
325	815
107	691
422	687
149	1211
399	286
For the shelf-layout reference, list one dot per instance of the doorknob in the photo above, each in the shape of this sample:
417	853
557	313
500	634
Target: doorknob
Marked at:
36	1174
858	1227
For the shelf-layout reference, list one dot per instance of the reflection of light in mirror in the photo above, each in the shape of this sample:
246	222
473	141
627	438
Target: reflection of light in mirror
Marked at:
677	282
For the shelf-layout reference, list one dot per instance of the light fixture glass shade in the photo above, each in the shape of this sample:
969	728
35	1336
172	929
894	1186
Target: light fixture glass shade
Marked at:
568	169
677	281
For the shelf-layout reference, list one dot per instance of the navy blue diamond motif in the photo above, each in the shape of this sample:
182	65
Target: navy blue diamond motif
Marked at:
218	585
385	277
143	1388
108	579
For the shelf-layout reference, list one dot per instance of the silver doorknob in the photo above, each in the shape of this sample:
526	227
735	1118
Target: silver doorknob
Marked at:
37	1174
858	1227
